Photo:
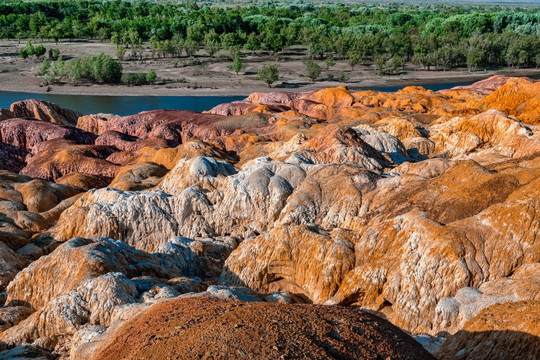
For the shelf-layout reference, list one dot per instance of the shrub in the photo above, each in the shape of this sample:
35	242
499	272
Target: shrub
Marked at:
269	74
54	54
342	77
39	50
313	70
45	67
237	64
151	76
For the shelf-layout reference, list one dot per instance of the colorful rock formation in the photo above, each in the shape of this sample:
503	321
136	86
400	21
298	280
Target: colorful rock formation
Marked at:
418	206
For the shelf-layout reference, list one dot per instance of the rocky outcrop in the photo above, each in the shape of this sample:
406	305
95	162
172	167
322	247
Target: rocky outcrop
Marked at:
44	111
99	278
23	201
27	134
302	260
59	158
517	97
419	206
489	85
350	333
502	331
522	285
13	157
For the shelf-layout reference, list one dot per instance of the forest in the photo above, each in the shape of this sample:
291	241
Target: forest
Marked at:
390	36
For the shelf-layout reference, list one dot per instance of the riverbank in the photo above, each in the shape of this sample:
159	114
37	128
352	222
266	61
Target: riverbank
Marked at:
214	77
420	78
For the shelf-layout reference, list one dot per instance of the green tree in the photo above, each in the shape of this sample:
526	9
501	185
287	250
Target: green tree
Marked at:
329	61
120	52
313	70
190	47
269	74
39	50
23	53
354	59
54	54
45	66
211	42
29	48
151	76
380	62
252	43
474	58
342	77
237	63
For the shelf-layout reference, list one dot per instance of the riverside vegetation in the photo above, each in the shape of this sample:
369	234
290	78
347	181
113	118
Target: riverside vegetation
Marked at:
385	37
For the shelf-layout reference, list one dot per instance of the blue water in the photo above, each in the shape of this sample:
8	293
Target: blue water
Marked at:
127	105
434	87
120	105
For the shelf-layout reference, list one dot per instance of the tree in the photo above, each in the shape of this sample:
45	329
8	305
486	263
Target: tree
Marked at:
474	58
45	67
269	74
211	42
120	52
252	43
190	47
342	77
23	53
54	54
39	50
151	76
329	61
380	62
313	70
237	64
29	48
395	63
354	59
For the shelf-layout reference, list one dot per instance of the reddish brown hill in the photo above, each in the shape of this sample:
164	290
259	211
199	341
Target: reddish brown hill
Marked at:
198	328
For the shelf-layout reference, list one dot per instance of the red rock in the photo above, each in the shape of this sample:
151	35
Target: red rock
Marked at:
489	85
196	328
60	157
44	111
26	134
233	109
12	158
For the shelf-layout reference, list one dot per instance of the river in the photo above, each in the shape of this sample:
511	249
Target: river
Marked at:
127	105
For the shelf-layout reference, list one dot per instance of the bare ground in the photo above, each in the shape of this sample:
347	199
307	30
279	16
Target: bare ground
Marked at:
206	328
213	76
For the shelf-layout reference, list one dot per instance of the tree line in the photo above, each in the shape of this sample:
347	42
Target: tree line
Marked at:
389	37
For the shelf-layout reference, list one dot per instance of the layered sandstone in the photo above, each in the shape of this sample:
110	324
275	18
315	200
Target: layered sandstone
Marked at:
419	206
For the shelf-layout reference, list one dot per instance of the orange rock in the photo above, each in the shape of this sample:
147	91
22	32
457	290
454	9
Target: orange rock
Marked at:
500	332
518	97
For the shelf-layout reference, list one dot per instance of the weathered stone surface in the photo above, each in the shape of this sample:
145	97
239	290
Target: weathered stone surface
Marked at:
26	134
302	260
501	332
200	325
138	177
418	205
44	111
524	284
489	85
58	158
13	157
